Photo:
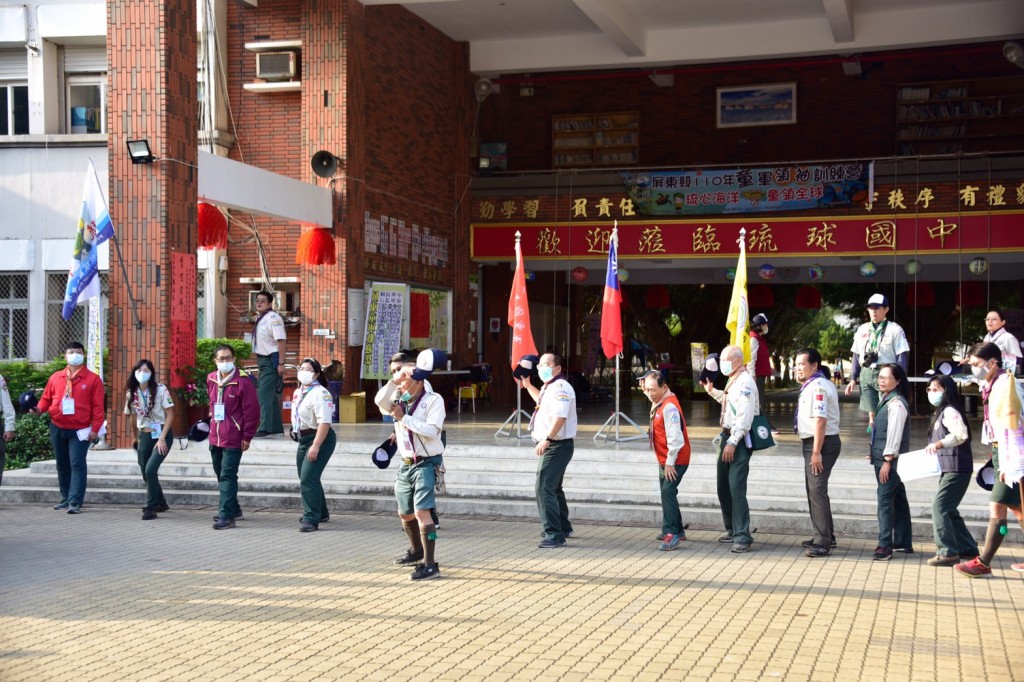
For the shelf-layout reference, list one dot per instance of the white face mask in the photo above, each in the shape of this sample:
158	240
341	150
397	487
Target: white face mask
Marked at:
141	376
980	373
305	377
726	366
935	398
75	359
226	367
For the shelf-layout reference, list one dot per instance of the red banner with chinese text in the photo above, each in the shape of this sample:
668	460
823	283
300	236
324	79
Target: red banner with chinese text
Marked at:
775	237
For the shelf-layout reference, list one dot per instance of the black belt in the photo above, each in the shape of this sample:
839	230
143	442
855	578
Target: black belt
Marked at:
264	356
415	460
306	432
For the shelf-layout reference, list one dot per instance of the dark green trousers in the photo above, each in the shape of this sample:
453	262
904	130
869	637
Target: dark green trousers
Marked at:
951	534
554	511
225	465
314	502
150	461
732	493
894	525
268	390
671	519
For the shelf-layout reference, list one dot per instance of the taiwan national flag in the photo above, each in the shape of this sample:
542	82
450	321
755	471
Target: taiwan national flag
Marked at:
94	228
611	308
519	313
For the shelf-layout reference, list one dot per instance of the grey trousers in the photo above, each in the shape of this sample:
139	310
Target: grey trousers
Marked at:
817	488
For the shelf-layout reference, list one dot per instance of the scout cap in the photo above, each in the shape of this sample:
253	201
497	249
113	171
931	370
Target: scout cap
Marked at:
383	453
427	361
878	300
710	371
525	366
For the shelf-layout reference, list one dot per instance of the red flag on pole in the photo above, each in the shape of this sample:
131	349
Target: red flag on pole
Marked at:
519	312
611	308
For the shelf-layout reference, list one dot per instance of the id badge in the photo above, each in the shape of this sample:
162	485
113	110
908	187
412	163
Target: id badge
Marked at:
157	427
218	412
986	433
67	406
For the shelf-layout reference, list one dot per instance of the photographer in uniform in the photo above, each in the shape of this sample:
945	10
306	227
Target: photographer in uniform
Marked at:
876	343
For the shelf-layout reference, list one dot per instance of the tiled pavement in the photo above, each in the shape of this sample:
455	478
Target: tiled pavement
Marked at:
106	596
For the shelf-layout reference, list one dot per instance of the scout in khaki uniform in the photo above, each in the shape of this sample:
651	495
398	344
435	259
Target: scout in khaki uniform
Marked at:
875	343
153	407
312	414
268	344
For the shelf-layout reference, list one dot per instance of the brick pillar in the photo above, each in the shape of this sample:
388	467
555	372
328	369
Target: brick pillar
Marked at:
329	112
151	94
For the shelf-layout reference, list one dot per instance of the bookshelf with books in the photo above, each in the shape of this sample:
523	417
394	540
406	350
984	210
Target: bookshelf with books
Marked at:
590	140
962	116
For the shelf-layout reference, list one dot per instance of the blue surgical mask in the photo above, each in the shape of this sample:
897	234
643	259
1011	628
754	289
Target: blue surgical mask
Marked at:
406	397
935	398
75	359
545	373
726	366
142	377
226	367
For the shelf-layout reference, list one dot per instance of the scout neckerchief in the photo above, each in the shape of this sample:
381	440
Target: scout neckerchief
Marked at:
725	393
817	375
221	383
68	378
143	406
883	401
303	391
256	326
409	408
986	391
878	331
536	408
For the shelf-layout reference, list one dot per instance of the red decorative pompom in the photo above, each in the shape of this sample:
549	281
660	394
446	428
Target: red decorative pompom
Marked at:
213	227
316	247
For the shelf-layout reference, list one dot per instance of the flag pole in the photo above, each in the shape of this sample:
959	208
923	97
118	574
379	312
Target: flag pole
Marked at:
117	249
519	412
618	414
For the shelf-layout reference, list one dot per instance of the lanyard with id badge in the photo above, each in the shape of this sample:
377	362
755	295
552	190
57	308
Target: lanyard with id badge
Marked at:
67	404
218	407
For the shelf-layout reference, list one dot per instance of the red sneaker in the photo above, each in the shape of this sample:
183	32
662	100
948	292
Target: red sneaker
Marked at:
973	569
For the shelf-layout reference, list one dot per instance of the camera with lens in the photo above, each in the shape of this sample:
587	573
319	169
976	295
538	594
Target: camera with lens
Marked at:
870	359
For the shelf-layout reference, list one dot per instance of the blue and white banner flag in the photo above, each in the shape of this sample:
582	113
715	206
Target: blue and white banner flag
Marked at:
94	228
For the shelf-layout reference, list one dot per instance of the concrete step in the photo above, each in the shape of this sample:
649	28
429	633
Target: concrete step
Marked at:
602	484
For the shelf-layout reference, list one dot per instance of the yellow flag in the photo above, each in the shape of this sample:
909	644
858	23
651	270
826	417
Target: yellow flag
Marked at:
739	312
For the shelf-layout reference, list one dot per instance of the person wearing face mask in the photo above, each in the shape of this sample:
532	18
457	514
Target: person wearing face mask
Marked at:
760	366
875	343
73	397
739	406
1002	398
995	324
312	413
388	395
153	407
553	428
890	438
949	438
234	418
419	426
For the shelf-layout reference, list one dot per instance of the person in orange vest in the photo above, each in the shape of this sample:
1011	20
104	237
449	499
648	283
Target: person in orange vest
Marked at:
760	366
671	446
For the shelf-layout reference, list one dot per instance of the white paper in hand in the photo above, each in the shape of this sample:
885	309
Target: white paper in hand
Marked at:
917	464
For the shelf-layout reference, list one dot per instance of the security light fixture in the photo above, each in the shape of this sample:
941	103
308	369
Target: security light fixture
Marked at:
1014	53
139	152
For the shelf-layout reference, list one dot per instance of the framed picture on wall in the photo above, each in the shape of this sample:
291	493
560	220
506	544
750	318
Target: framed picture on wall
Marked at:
756	105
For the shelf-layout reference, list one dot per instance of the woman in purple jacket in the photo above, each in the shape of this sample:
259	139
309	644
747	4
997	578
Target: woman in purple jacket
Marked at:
234	418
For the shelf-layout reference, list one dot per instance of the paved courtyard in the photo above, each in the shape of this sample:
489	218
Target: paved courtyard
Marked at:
105	596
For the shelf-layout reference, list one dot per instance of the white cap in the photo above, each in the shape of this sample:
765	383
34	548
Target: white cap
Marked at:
879	300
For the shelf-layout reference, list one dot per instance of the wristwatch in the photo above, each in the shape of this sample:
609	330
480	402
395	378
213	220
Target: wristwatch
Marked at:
888	458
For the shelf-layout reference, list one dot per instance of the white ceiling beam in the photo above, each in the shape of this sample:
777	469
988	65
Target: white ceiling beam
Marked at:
367	3
617	23
840	19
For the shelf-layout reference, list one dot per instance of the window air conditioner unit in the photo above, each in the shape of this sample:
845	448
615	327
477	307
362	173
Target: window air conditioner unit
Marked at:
275	66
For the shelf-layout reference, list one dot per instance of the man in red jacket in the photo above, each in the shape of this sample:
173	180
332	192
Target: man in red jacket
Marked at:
73	397
234	418
671	446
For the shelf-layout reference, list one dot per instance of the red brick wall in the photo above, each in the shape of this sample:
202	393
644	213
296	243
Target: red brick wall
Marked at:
151	94
837	116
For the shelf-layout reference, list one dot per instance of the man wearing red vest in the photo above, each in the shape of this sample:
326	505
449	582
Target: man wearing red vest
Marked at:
760	366
671	446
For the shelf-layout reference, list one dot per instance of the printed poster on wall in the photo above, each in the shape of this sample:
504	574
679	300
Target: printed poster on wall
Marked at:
382	336
430	319
183	315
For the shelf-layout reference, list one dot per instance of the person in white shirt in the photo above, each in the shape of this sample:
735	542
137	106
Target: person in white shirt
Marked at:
995	323
268	345
312	414
553	428
875	343
7	408
153	407
419	426
817	423
740	404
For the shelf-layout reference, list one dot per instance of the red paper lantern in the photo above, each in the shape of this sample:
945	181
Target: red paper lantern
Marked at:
970	294
808	298
212	232
761	296
920	294
657	297
316	247
579	274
